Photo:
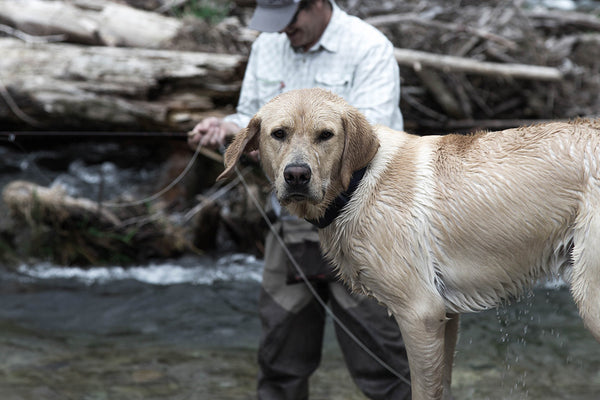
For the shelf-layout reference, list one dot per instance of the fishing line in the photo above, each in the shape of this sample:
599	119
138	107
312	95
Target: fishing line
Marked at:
121	204
11	139
312	289
163	190
189	215
14	107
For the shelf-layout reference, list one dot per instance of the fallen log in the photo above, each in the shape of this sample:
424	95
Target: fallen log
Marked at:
65	86
474	125
414	18
417	59
560	19
108	23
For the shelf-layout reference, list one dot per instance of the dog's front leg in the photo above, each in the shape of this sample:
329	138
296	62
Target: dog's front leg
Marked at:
423	330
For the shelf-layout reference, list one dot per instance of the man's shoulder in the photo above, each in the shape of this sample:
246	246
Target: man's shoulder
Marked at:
352	26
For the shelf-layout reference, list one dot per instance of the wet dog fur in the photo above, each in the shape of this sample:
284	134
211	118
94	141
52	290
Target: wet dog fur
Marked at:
439	225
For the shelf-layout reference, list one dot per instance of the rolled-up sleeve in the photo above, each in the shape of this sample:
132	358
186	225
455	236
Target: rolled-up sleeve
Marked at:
248	104
376	86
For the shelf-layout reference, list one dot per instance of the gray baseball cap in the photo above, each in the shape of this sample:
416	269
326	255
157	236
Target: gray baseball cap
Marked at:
273	15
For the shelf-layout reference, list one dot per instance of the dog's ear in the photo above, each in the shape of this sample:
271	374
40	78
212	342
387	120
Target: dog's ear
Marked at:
360	144
244	142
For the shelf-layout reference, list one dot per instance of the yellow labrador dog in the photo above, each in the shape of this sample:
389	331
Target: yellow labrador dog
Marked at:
435	226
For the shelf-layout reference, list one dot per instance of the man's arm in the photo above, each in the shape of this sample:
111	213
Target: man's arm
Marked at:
249	103
214	132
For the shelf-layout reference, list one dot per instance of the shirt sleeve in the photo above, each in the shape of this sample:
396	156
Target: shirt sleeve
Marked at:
376	86
248	104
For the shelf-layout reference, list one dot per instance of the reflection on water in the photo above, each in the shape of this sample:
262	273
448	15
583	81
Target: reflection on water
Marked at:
189	299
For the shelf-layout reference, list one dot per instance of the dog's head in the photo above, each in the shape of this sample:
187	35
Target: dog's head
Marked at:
310	143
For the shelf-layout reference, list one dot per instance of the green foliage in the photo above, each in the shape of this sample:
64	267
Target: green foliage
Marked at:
124	238
212	11
7	253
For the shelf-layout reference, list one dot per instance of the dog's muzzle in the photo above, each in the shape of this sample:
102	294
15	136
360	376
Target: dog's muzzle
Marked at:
297	180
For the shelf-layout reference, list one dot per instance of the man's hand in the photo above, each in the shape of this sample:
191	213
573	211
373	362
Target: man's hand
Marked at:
211	132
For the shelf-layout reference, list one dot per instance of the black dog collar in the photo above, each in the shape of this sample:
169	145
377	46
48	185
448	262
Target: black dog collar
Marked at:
340	201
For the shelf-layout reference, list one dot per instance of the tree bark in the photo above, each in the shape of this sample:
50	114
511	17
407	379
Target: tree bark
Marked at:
65	86
105	23
559	19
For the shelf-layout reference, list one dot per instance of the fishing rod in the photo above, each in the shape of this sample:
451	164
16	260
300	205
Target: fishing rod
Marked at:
94	134
14	136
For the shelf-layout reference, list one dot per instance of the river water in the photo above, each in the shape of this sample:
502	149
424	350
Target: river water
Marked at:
188	328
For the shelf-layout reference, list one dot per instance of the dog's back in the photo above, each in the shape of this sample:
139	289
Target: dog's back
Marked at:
493	211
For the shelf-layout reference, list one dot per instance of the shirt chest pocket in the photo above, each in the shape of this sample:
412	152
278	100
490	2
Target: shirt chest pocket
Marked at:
334	82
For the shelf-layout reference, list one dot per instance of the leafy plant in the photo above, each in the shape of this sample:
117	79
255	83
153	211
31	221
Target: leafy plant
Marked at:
210	10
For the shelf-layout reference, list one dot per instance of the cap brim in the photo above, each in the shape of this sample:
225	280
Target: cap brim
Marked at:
272	19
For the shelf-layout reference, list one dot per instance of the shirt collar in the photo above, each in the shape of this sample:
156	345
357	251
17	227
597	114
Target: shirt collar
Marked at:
331	37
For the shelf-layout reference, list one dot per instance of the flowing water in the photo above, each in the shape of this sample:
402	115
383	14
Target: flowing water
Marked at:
188	328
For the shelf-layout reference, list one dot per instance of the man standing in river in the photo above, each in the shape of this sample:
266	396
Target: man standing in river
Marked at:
313	43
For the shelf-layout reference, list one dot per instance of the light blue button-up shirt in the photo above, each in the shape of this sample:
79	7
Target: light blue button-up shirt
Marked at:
352	59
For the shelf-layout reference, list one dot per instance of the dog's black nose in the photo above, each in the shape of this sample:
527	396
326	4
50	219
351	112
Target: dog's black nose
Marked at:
297	174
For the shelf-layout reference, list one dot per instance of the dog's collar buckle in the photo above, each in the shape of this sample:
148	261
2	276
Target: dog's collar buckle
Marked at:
335	208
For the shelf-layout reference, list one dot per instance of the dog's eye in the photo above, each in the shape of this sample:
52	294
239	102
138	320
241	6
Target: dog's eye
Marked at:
278	134
325	135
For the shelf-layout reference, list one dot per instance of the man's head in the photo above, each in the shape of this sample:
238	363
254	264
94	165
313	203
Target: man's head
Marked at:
303	21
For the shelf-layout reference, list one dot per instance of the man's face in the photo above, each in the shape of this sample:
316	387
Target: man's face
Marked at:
308	25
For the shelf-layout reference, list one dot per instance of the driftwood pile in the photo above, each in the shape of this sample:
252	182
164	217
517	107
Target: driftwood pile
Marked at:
55	86
102	65
492	64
